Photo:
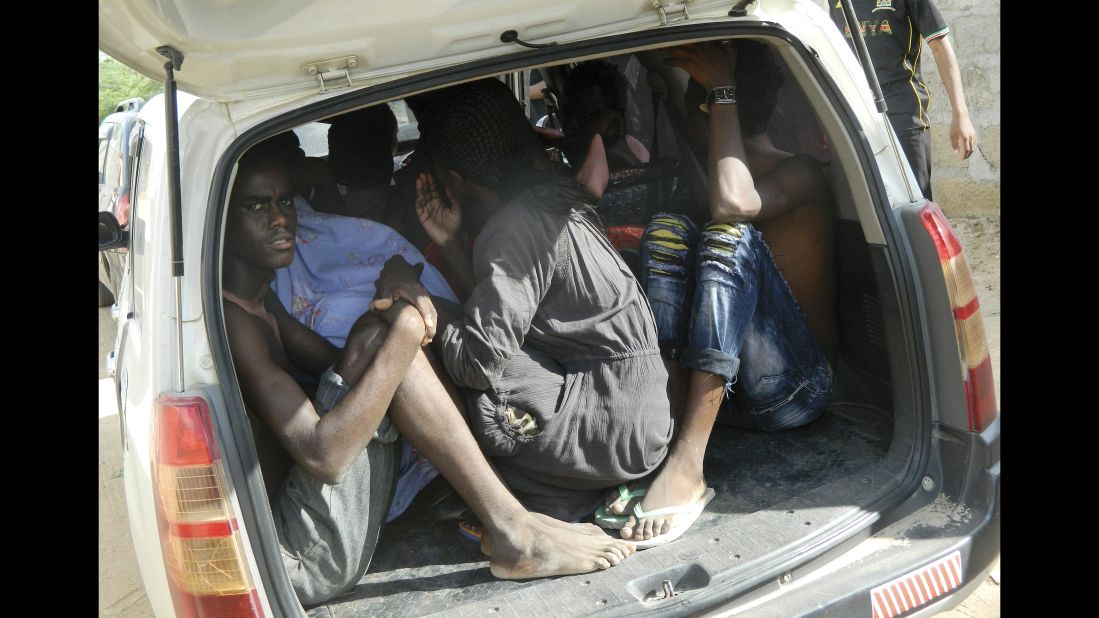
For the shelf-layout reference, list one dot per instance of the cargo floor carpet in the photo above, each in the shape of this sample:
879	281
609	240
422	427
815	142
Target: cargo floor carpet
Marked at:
423	567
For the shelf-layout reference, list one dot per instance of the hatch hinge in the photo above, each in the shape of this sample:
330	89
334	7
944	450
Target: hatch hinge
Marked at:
670	11
333	74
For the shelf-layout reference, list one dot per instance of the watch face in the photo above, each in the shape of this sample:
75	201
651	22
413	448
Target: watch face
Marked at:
722	94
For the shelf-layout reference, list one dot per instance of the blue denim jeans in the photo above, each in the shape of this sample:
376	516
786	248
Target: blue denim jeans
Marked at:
722	306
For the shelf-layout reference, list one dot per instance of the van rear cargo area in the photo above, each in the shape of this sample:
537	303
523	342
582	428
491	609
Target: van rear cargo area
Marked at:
772	490
781	498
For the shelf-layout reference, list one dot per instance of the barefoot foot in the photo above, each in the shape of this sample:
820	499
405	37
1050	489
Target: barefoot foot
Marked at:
475	528
541	546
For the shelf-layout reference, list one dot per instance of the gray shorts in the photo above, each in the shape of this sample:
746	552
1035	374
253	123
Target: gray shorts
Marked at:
327	533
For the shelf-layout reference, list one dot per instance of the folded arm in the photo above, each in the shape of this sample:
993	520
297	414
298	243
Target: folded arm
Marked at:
325	446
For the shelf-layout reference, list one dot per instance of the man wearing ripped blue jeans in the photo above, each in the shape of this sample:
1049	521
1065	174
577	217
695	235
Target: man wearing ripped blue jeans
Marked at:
725	305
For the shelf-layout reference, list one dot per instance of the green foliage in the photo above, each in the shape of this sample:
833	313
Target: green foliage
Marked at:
117	82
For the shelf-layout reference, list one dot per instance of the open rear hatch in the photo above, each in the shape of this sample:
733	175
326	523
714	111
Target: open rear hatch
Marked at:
782	499
254	48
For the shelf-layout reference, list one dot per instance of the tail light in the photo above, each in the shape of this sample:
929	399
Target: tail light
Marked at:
969	327
203	552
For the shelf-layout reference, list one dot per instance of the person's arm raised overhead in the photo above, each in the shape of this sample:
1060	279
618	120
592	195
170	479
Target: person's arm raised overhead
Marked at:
733	195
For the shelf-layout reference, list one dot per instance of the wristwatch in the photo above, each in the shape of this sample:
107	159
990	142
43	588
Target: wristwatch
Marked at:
721	95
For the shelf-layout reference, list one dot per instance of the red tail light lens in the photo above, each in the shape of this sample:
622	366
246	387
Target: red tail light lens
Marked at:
202	546
186	438
976	365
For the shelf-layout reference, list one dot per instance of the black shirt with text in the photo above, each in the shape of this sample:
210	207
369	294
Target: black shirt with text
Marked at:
894	31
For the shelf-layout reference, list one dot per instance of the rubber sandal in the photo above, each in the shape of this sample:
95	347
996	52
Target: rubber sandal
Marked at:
612	521
470	527
688	514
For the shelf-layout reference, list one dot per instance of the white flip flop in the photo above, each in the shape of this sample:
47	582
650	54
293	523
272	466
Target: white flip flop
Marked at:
686	514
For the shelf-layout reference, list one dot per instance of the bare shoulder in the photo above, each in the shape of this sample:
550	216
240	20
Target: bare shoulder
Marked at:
246	337
801	179
268	389
802	169
302	346
282	316
257	352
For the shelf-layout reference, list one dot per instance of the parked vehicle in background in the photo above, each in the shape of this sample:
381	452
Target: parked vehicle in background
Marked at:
888	504
114	186
132	104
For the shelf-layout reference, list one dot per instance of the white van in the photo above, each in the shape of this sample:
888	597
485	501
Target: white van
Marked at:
888	504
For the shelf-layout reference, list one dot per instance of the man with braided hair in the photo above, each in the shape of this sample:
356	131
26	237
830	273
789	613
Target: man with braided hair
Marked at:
556	349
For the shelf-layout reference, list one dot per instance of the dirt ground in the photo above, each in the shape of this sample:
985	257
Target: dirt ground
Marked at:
121	592
120	589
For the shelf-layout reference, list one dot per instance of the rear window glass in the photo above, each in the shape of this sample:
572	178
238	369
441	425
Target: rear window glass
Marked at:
313	136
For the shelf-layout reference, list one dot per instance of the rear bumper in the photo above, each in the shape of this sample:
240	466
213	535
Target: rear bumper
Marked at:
963	516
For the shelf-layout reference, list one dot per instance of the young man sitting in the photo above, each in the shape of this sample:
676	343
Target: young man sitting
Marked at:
730	314
328	462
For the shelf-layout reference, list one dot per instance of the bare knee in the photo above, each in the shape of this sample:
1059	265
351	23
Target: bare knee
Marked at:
363	342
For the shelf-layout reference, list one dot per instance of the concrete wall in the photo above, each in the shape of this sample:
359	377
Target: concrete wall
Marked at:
971	187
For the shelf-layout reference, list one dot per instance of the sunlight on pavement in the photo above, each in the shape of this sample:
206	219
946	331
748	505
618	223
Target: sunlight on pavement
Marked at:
108	402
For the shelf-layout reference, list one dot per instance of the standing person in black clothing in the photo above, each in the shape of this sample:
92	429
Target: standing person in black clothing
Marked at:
894	31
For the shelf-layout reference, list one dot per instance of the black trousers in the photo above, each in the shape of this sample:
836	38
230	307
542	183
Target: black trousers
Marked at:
916	144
